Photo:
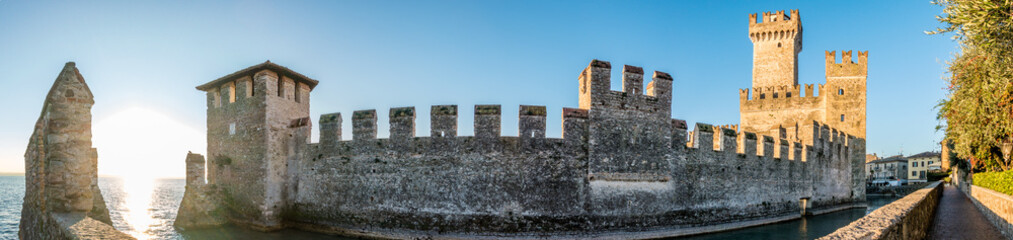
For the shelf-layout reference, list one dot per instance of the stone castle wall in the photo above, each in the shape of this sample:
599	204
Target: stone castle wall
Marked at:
516	187
622	164
840	102
777	104
846	81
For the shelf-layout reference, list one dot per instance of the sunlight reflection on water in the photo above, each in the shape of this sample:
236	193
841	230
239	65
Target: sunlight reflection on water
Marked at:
142	207
138	203
146	209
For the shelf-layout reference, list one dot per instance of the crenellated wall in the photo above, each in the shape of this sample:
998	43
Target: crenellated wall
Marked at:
777	102
846	91
622	165
841	101
509	186
628	131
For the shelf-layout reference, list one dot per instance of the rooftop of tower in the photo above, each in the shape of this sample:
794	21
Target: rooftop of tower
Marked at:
267	65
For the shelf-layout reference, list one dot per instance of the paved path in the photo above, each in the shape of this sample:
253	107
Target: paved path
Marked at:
957	218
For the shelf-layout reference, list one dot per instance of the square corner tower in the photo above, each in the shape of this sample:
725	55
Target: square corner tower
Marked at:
253	116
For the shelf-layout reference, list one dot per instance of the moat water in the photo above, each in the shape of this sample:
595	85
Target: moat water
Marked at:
146	209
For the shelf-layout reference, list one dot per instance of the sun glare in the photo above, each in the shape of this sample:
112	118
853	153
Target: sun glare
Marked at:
138	204
140	143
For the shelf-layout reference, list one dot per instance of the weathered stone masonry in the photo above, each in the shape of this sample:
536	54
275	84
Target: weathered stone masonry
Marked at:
622	166
777	103
257	124
643	177
62	198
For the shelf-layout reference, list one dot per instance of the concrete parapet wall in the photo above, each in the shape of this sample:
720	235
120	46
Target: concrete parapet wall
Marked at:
907	218
997	207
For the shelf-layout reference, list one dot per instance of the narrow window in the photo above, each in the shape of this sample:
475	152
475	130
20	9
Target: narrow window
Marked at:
842	117
787	95
297	92
232	92
281	85
249	87
840	91
775	95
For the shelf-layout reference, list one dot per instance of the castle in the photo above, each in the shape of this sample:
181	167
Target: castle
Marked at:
777	103
622	167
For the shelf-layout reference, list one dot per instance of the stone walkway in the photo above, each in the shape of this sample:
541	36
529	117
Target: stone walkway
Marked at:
957	218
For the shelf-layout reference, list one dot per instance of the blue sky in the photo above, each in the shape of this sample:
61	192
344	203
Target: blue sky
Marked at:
381	54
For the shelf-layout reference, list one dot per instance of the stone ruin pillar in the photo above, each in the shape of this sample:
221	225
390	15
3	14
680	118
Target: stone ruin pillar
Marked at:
194	170
200	207
62	198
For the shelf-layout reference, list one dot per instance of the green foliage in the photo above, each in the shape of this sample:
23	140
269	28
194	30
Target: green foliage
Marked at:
998	181
936	176
222	160
979	109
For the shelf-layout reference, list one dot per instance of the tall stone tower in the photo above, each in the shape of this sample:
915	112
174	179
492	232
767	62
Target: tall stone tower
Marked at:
845	91
777	40
257	120
776	105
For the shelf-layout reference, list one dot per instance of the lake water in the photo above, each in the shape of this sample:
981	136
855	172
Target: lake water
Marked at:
150	216
145	216
808	227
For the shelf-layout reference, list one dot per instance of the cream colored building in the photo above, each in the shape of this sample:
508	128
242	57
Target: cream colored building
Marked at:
920	164
891	171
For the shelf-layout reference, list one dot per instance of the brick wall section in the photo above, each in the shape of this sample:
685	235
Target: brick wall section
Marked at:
996	206
906	218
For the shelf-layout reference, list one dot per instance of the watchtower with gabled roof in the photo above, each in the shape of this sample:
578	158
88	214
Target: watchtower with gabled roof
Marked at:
257	120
